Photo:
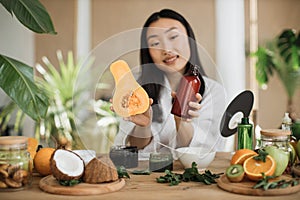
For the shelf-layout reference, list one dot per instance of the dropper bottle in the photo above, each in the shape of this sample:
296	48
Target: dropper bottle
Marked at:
286	122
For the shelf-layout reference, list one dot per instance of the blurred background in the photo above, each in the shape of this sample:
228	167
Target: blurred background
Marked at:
226	30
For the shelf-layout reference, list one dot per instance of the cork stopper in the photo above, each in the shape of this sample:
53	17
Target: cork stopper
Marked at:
275	132
12	140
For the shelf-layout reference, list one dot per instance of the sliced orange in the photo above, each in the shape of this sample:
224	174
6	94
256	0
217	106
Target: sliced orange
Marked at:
254	168
241	155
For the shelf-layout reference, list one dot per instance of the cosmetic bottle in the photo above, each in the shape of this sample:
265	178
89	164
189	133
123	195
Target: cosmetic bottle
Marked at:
286	122
245	134
188	87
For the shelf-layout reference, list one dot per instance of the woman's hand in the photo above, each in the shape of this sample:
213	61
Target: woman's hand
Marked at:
143	119
193	105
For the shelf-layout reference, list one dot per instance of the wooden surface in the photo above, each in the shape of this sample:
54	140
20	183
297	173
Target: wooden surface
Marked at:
145	187
49	184
245	187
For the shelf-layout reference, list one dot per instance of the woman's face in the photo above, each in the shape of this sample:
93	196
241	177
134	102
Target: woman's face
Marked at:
168	45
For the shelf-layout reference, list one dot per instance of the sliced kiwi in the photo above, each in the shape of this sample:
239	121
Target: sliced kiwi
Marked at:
235	173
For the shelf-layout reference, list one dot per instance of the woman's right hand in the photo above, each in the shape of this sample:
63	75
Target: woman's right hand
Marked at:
143	119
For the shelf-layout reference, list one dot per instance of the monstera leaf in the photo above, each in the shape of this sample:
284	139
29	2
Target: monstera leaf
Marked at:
282	55
17	81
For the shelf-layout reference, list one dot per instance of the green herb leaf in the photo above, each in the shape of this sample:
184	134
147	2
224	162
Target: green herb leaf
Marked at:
141	172
189	174
265	184
122	172
262	154
69	183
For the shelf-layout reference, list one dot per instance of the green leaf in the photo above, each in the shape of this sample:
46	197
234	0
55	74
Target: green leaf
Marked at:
31	13
69	183
262	154
16	79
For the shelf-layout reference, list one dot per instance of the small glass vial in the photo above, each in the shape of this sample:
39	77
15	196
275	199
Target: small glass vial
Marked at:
15	163
188	87
159	162
245	134
286	122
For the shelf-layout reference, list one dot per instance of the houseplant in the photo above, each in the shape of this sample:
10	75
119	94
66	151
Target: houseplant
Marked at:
17	78
281	55
64	90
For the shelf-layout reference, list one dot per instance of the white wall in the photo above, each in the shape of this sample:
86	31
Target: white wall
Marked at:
17	42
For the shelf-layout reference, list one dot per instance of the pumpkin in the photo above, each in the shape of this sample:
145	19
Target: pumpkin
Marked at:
129	97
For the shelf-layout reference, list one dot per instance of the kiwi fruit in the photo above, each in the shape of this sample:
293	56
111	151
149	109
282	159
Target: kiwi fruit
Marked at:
235	173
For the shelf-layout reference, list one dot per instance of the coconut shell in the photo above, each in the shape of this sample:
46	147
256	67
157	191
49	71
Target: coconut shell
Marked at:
60	175
100	170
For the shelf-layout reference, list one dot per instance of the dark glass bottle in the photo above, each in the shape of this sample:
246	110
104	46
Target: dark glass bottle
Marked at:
188	87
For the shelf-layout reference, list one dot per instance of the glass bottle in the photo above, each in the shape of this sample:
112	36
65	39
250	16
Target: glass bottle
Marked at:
286	122
15	163
188	87
245	134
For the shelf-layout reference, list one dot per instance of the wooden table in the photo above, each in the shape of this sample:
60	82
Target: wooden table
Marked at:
145	187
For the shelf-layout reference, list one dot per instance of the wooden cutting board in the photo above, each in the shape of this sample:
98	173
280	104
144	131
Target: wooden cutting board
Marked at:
50	184
245	187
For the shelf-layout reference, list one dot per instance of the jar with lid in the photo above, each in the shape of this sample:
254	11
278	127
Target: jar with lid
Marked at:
15	163
278	138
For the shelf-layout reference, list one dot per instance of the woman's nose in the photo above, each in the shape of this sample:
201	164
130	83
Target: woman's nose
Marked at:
166	48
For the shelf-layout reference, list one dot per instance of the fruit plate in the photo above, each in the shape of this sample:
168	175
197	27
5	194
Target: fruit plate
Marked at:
50	184
245	187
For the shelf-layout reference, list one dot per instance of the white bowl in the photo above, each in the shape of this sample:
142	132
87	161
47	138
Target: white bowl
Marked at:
202	157
86	155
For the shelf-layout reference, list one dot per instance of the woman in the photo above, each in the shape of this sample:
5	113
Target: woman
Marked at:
168	50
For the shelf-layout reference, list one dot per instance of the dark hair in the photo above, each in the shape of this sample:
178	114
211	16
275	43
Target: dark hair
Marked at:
151	77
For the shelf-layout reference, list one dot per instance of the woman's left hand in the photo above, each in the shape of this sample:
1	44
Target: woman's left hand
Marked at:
194	106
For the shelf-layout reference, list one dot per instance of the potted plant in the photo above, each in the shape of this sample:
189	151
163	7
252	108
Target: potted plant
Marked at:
17	78
281	55
64	90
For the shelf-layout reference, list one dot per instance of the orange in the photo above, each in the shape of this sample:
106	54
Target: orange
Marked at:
32	146
254	168
41	161
241	155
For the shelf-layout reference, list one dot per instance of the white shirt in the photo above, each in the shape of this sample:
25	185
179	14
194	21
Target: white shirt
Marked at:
206	126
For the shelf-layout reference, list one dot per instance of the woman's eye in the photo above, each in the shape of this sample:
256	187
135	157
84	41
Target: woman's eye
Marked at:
172	37
154	44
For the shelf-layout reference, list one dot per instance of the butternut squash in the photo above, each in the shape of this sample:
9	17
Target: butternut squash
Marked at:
129	97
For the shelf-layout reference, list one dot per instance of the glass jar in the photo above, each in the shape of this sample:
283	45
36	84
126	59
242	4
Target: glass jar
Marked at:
126	156
159	162
278	138
15	163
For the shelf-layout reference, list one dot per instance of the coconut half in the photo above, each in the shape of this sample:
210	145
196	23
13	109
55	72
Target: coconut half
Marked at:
66	165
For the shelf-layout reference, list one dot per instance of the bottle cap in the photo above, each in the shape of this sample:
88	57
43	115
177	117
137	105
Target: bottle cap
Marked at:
245	120
286	119
195	70
275	132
